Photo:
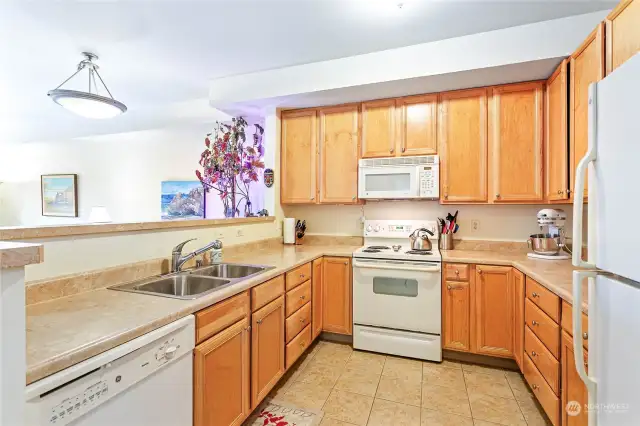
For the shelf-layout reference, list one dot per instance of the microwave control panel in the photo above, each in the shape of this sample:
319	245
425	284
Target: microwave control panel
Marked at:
429	181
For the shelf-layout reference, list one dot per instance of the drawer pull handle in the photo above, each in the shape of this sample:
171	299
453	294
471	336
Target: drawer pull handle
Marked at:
534	386
534	322
585	335
450	287
534	294
302	320
259	321
302	344
479	271
301	275
302	297
457	272
533	353
248	328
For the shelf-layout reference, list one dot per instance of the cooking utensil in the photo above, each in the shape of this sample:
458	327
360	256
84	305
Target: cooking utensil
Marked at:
419	239
545	244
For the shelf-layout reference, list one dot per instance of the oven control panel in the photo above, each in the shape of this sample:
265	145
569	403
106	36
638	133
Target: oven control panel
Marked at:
398	228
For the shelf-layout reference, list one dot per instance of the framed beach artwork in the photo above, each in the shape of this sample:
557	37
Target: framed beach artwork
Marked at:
59	195
182	199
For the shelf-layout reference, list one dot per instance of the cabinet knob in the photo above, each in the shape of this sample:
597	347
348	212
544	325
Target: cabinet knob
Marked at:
346	263
559	191
533	353
259	321
302	344
302	320
301	275
446	196
313	198
479	271
404	149
353	198
585	335
457	272
448	287
302	297
534	386
391	150
248	328
497	195
534	294
534	322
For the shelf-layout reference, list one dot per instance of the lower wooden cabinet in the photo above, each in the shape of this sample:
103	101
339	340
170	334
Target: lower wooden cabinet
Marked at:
518	316
456	299
336	295
267	349
221	377
492	311
573	388
316	298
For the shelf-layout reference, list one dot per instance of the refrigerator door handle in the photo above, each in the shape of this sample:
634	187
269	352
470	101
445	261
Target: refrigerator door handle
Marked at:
578	350
578	191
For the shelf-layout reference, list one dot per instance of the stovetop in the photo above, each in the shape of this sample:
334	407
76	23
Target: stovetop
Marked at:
404	253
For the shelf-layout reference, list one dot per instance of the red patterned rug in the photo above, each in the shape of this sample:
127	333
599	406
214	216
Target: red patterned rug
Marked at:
275	413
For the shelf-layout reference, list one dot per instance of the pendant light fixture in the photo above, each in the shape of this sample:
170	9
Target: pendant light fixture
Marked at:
88	104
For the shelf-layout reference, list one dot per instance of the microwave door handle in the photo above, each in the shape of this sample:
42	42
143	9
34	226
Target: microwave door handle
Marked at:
402	268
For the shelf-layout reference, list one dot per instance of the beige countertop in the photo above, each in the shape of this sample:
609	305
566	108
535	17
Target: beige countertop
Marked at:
68	330
16	255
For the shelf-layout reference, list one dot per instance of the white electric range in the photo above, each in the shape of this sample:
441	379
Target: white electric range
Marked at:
397	291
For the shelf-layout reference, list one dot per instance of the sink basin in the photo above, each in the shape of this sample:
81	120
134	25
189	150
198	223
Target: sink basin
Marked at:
180	286
230	270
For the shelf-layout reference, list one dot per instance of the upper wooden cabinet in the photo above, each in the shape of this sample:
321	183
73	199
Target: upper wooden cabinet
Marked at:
516	134
417	130
462	136
336	295
492	311
623	33
557	135
586	67
298	157
339	154
379	128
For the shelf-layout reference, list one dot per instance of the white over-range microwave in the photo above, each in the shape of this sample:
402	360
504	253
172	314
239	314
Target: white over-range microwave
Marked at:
399	178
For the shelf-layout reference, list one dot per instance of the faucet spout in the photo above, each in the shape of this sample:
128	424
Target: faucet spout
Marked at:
177	259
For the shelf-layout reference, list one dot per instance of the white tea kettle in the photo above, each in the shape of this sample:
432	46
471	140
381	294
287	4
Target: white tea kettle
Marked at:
420	239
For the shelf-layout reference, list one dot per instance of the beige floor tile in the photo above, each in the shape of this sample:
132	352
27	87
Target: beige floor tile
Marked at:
328	421
445	399
520	389
477	422
373	363
491	408
474	368
320	374
387	413
399	390
533	413
439	418
431	365
488	384
358	381
403	368
348	407
333	354
443	376
307	395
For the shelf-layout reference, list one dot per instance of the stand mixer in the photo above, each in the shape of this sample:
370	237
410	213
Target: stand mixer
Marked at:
551	242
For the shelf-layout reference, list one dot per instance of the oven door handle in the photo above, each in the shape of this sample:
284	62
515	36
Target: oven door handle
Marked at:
401	268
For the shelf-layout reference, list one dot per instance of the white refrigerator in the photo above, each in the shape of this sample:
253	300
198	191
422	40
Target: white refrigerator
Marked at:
612	164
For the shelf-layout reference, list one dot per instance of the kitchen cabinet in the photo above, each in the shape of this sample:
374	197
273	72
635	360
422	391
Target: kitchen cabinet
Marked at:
516	137
456	301
518	316
462	136
557	135
339	154
316	298
267	349
336	295
299	157
221	377
586	67
417	129
623	33
492	311
573	388
379	128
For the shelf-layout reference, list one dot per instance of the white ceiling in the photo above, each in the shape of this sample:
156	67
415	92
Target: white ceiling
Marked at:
157	57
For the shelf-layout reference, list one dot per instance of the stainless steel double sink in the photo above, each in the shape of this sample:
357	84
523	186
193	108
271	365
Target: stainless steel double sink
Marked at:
194	283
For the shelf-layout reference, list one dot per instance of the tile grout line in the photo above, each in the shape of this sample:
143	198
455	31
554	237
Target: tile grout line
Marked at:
376	392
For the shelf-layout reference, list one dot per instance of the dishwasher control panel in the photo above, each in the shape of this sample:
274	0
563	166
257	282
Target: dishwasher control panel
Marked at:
69	401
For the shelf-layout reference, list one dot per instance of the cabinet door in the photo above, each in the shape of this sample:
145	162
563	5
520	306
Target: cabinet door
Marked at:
557	135
456	311
336	295
267	349
462	135
587	66
492	311
316	298
623	33
573	388
378	128
299	157
518	317
515	129
417	128
221	377
339	154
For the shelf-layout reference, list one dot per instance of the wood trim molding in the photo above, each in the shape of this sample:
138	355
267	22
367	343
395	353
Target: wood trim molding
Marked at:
24	233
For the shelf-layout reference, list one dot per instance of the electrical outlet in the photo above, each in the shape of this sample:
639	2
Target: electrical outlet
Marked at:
240	233
475	225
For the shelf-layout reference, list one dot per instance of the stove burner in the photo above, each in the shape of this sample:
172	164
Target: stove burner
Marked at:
368	250
378	248
419	252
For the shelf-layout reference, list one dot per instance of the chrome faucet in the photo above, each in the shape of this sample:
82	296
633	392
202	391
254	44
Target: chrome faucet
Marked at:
177	259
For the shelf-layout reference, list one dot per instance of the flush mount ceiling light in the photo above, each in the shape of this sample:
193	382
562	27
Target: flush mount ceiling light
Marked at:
88	104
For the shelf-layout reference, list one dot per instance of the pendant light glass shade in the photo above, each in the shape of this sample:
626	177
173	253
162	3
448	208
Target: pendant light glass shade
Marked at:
88	104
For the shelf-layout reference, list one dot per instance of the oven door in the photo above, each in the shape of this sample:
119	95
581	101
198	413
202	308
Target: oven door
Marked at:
401	295
388	182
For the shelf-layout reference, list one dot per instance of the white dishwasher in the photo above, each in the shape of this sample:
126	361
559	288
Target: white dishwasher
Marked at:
147	381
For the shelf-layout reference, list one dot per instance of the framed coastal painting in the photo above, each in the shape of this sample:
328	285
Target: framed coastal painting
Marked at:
59	195
182	199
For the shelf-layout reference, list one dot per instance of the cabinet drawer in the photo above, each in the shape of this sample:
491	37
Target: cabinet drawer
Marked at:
221	315
544	299
297	346
266	292
456	272
296	322
298	297
549	401
543	327
548	366
298	276
567	322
